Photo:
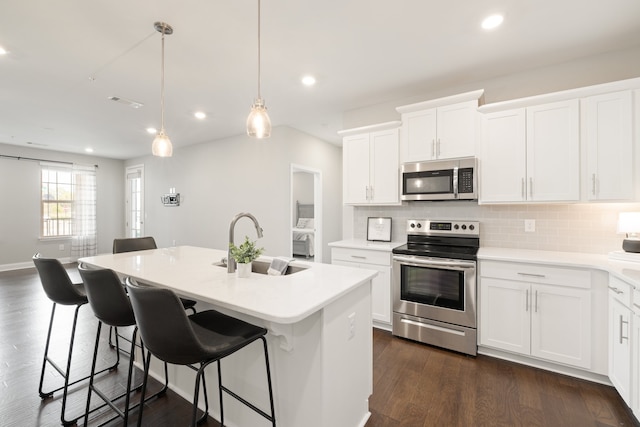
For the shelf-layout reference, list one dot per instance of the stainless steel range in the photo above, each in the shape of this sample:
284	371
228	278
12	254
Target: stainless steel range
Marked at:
434	284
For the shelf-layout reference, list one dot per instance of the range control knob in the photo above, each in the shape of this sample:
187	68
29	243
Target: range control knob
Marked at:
464	227
419	225
412	225
456	226
472	227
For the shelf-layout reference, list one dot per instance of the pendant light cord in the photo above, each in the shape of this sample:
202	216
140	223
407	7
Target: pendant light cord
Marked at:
162	85
259	97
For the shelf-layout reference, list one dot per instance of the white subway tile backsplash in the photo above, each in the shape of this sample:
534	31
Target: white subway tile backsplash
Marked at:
589	228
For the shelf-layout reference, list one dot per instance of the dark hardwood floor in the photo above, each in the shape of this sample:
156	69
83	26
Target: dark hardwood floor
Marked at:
414	384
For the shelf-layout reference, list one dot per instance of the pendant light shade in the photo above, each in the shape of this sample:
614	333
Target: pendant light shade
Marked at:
258	122
162	144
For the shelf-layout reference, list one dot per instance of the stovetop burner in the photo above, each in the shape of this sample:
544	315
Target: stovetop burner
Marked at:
441	239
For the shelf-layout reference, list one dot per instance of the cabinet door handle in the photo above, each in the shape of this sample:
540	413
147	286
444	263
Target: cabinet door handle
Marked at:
622	322
593	184
433	149
438	148
526	303
522	190
616	290
536	301
542	276
358	256
371	192
366	192
531	188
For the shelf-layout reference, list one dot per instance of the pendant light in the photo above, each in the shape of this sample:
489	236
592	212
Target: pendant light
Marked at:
258	122
162	144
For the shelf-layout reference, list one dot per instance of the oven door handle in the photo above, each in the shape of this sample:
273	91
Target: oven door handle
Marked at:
432	262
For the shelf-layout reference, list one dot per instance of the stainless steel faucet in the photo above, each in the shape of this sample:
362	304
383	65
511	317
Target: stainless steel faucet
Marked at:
231	263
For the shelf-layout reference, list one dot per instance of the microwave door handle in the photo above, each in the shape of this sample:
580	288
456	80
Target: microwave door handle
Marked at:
455	182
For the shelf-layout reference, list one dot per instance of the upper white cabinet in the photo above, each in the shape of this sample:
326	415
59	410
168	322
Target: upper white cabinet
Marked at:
608	136
531	154
370	159
443	128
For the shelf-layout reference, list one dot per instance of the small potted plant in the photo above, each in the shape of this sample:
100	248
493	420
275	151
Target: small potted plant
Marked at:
243	255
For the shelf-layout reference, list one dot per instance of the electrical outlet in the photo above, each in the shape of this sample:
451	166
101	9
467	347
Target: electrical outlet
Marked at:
351	325
61	247
529	225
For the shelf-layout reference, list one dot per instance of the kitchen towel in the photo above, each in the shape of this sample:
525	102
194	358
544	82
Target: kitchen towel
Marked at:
279	266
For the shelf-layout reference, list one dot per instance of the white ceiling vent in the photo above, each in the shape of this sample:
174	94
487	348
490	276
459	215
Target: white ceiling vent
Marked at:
130	103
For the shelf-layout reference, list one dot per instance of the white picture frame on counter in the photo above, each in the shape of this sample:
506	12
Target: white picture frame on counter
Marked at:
379	229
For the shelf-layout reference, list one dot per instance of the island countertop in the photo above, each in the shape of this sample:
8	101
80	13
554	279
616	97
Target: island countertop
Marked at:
191	272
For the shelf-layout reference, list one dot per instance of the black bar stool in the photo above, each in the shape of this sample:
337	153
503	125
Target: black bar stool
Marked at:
112	307
199	339
60	290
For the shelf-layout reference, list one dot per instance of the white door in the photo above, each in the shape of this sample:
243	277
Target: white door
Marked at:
419	135
384	167
505	321
553	152
561	325
620	348
134	201
355	153
457	130
609	146
503	157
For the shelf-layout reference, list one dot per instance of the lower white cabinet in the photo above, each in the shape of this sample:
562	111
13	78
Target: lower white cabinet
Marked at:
381	284
620	314
538	311
635	359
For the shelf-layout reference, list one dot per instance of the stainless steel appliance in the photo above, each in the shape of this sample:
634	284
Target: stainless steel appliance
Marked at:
434	284
453	179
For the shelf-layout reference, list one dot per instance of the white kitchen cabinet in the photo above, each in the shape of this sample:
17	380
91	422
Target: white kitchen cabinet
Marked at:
443	128
381	284
371	167
635	353
608	137
538	311
531	154
620	337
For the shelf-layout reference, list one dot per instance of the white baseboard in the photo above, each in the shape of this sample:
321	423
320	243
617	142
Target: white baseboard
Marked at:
28	264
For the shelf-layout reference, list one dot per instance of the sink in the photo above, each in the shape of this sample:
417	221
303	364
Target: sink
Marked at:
261	267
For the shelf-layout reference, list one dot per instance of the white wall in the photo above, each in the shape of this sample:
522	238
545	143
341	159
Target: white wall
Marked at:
219	179
20	188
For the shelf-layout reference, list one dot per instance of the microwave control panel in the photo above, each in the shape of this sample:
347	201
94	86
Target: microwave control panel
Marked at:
465	180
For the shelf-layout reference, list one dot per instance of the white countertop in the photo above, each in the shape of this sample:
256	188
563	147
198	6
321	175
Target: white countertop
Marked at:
190	272
365	244
625	270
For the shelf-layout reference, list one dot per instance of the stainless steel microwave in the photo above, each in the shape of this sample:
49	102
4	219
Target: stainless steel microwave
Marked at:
452	179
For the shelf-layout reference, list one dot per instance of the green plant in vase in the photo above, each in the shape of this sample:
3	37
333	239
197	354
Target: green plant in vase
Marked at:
246	252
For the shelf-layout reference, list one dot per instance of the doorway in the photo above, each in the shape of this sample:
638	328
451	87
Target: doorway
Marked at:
306	213
134	201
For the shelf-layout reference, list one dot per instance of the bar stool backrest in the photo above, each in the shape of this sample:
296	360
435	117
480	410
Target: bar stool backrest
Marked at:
163	324
132	244
56	282
107	297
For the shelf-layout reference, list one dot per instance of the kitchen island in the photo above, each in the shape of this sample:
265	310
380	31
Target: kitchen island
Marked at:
319	323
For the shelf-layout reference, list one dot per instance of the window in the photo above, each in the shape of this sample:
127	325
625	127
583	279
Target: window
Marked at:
57	202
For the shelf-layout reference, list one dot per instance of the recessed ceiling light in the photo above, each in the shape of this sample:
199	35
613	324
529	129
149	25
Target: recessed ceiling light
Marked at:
3	51
308	80
491	22
152	130
89	150
200	115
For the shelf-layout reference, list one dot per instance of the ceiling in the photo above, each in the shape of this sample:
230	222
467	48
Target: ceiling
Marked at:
66	58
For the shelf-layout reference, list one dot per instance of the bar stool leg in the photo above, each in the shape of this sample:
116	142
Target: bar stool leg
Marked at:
46	395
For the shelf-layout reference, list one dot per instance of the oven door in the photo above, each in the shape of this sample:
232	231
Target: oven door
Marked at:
435	288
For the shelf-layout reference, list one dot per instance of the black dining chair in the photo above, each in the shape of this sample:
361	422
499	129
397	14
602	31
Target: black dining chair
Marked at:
132	244
111	306
194	341
61	290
